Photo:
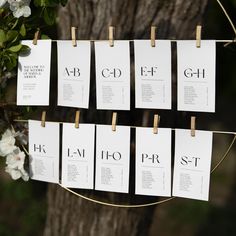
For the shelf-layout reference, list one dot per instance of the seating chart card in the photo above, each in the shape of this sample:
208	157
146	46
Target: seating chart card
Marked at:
44	151
113	75
73	73
196	75
33	77
112	158
153	162
192	164
152	74
78	156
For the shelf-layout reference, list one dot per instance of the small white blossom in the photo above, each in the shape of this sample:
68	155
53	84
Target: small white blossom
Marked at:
14	173
17	173
24	175
2	2
20	8
15	165
7	143
16	159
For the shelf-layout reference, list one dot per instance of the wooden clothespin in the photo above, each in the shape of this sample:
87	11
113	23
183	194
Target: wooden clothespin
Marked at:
153	36
114	120
73	36
193	126
43	118
36	37
156	122
77	115
111	33
198	36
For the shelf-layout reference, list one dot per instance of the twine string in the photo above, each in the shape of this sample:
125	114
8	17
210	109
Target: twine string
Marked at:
227	16
146	204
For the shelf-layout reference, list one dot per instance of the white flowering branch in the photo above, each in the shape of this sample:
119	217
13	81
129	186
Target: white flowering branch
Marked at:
15	158
18	7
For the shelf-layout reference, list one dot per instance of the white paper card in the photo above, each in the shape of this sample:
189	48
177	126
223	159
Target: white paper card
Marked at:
78	156
73	73
152	74
192	164
112	158
196	76
113	75
153	162
44	151
33	77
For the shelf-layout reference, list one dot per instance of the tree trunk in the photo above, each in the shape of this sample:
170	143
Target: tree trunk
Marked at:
69	215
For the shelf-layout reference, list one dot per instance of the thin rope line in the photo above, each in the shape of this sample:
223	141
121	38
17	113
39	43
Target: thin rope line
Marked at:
227	16
225	155
116	205
132	40
131	126
26	151
106	203
147	204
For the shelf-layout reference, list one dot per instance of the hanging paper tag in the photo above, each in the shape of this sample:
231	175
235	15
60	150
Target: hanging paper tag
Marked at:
113	75
78	156
33	77
152	74
44	151
192	164
73	73
196	76
153	162
112	158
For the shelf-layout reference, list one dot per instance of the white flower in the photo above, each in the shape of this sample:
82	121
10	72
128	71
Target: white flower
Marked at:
7	143
20	8
24	175
15	165
16	159
2	2
14	173
17	173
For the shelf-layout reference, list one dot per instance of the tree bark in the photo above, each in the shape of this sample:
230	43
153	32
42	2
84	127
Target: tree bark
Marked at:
71	215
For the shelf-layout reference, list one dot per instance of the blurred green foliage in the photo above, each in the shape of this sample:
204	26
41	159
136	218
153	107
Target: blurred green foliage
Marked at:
22	206
13	30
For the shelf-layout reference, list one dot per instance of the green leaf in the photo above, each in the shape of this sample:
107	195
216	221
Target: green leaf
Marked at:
49	16
15	24
25	49
39	3
44	36
2	36
11	63
45	3
16	48
23	30
52	3
11	35
13	54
